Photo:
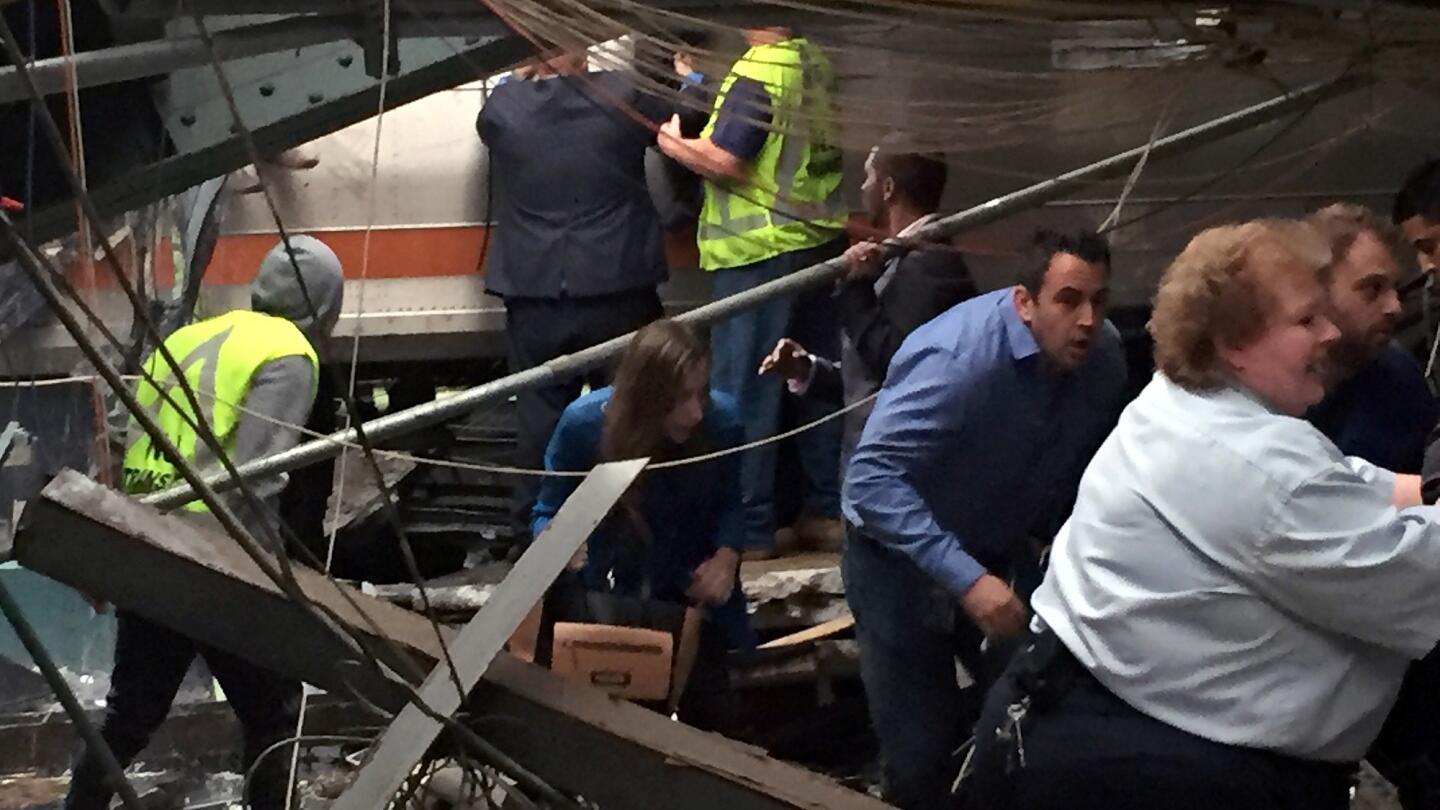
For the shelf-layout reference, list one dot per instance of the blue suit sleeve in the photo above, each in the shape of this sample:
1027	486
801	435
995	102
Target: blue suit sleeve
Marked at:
730	517
486	122
918	421
572	448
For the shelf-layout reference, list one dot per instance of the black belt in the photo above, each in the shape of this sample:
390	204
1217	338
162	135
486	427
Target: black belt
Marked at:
1046	671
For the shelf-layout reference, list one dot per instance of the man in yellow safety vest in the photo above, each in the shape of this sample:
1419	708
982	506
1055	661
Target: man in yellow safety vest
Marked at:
254	373
774	204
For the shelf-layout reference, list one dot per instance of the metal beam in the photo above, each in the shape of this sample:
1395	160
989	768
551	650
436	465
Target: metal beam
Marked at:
150	554
432	413
171	9
407	739
142	59
612	752
175	174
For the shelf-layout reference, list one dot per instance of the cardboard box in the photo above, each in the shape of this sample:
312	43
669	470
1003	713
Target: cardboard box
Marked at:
625	662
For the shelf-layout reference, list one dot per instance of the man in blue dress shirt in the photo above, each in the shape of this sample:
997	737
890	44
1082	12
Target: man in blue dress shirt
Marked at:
987	417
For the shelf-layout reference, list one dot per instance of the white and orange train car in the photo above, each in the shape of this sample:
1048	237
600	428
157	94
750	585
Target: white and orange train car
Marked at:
410	230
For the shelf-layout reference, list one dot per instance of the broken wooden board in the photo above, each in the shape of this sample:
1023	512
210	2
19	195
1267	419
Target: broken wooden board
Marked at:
819	631
613	753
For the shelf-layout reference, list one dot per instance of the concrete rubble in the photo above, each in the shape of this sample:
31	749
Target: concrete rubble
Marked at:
785	594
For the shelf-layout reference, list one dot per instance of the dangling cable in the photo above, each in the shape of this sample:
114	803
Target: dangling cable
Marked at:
341	467
77	139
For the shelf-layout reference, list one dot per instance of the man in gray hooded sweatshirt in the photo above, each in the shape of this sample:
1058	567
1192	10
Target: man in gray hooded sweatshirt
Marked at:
254	373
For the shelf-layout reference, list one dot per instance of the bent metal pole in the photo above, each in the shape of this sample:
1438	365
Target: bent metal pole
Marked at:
431	413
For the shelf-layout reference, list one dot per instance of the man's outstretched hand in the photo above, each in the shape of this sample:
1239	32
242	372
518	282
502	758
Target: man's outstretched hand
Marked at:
788	359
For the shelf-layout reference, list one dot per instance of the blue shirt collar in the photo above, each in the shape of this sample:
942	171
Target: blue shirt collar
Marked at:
1017	334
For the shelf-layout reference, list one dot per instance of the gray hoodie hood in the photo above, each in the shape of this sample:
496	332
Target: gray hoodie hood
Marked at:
277	291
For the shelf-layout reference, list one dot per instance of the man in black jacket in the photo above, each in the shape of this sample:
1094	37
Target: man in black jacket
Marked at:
882	301
577	253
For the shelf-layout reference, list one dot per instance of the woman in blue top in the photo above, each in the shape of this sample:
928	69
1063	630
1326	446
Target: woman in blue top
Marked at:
675	536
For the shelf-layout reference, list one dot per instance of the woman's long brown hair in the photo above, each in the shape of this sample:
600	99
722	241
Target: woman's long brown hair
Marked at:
648	382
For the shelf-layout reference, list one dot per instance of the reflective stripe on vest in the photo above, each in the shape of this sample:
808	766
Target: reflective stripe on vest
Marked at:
794	199
219	358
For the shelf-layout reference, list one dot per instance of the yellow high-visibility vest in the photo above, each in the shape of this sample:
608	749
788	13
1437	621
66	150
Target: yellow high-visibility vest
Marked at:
219	358
794	199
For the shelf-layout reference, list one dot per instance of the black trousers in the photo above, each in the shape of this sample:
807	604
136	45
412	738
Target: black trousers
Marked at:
1085	748
538	330
150	663
1407	751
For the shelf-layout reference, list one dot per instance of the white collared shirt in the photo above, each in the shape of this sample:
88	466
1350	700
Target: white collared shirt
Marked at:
920	222
1227	571
893	263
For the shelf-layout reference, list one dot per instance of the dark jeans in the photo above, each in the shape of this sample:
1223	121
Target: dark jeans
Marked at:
1085	748
910	634
538	330
150	663
738	344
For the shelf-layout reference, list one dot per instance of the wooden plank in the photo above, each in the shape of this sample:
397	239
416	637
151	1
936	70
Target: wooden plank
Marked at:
412	733
819	631
614	753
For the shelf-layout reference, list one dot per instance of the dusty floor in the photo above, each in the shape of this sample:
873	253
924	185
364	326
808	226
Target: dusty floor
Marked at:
48	792
194	792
